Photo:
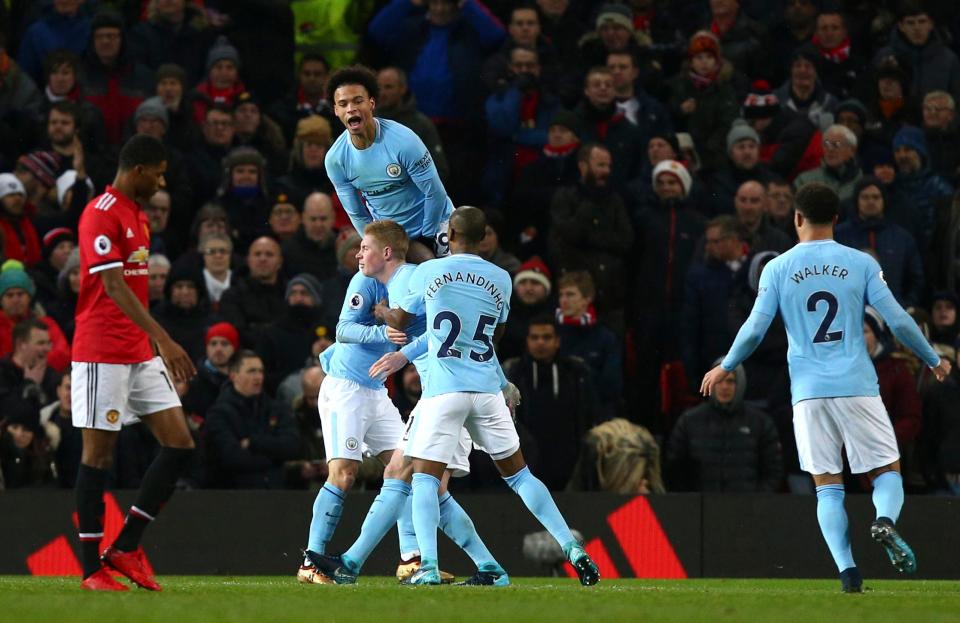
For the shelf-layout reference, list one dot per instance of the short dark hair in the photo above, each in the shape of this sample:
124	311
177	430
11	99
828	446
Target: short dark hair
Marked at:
909	8
58	58
353	74
21	330
727	224
469	222
818	203
777	180
544	319
236	361
579	279
66	107
142	150
584	154
627	53
314	56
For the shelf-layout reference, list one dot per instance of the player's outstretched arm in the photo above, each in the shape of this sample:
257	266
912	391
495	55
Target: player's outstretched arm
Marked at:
397	318
177	360
908	333
748	338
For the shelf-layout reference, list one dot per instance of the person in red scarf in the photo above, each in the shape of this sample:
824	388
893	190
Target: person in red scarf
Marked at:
309	99
223	84
741	38
703	100
839	67
581	336
20	236
601	122
518	115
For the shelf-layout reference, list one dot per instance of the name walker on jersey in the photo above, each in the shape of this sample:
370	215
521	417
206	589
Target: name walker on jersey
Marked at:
471	278
820	270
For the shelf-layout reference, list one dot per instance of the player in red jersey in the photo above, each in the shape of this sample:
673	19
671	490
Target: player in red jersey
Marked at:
117	374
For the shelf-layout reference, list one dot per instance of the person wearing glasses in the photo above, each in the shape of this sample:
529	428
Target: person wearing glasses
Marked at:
839	168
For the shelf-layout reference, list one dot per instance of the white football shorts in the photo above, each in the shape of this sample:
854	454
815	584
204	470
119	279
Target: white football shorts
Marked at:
105	396
859	424
459	465
356	418
435	433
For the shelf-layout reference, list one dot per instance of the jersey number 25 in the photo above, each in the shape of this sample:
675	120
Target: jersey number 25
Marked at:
447	350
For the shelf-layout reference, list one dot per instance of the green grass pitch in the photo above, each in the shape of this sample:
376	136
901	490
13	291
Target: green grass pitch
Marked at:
190	599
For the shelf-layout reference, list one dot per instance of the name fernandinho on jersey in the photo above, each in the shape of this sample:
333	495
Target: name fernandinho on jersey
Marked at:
471	278
820	270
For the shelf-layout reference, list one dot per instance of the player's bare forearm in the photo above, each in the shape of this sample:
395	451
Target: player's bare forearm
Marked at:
397	318
121	294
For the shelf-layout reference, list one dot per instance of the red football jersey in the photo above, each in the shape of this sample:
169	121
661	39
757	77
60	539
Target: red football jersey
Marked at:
114	232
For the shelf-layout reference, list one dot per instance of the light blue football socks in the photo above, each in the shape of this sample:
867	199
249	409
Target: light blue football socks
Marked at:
426	517
457	525
834	525
538	500
888	495
327	509
380	518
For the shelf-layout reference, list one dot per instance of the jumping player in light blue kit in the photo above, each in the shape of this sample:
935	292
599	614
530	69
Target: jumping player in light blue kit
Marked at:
820	289
382	170
382	257
466	301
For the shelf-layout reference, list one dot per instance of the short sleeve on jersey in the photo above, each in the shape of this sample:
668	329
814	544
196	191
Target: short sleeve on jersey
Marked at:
101	238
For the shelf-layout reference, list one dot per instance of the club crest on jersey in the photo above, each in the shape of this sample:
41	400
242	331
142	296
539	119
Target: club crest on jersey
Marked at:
394	170
113	416
351	443
129	233
140	256
102	245
356	301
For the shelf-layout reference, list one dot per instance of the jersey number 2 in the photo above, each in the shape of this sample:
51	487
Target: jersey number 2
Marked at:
823	333
447	350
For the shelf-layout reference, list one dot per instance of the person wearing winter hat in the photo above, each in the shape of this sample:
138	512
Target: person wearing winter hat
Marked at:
17	293
802	92
222	84
63	309
57	245
113	80
244	194
173	90
671	180
531	298
21	241
152	118
287	341
220	343
703	96
37	171
915	179
306	173
185	311
944	318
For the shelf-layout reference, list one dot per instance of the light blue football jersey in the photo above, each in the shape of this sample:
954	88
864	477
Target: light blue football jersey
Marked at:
464	298
820	289
360	341
396	178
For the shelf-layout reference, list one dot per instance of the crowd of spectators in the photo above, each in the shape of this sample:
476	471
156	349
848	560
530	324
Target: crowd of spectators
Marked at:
637	163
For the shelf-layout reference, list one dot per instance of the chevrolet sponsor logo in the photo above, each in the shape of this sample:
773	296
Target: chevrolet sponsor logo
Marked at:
140	256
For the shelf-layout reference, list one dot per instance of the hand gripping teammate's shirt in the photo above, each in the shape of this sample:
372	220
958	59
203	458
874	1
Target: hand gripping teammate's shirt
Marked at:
113	233
360	340
464	298
396	178
821	289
